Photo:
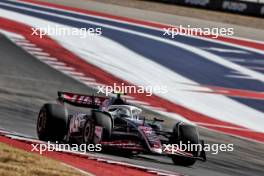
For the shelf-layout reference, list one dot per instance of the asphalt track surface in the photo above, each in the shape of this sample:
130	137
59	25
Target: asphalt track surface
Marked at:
26	83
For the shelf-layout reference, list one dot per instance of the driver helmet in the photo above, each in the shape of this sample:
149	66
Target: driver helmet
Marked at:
123	112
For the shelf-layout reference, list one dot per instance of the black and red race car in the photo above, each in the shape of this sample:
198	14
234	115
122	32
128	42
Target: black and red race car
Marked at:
117	126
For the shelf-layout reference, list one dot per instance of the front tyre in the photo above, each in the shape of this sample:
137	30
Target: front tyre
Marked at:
186	134
52	122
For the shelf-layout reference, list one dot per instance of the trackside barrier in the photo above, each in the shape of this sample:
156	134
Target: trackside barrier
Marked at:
232	6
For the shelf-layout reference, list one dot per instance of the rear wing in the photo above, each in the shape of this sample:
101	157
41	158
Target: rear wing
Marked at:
81	100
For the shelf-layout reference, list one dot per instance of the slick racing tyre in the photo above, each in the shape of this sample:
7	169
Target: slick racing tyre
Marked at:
52	122
104	120
187	134
89	131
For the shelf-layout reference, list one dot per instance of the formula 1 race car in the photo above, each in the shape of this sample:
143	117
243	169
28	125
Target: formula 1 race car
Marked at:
117	126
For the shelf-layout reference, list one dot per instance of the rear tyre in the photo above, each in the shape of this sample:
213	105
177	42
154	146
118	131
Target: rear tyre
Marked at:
88	132
52	122
184	132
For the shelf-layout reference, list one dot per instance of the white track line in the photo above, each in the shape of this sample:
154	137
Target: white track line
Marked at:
22	40
47	58
39	53
223	126
240	77
58	67
86	78
73	73
56	63
25	44
32	48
